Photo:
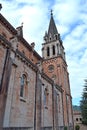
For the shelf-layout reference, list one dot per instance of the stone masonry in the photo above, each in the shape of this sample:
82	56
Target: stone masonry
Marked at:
31	96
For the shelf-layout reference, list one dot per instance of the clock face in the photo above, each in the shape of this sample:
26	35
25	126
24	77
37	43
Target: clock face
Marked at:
51	68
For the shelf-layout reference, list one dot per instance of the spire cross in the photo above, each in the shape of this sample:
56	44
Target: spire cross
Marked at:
22	24
51	12
0	6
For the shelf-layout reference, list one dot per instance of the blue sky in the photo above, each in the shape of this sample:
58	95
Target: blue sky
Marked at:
71	20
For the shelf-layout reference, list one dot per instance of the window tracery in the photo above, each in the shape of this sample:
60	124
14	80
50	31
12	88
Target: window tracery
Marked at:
46	93
51	68
23	85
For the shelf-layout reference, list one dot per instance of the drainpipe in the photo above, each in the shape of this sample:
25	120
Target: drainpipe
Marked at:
7	51
53	104
4	84
35	101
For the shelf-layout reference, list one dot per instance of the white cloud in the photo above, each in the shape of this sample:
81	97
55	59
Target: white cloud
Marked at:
71	18
33	15
67	11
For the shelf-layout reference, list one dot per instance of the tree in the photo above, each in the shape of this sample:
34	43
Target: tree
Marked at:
83	104
77	127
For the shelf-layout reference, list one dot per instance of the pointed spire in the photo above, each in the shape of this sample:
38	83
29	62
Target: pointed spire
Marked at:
52	33
52	30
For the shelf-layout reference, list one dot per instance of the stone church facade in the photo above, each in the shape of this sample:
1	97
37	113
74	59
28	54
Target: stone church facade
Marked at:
34	90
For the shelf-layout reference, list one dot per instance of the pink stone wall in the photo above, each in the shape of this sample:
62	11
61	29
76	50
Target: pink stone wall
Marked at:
20	111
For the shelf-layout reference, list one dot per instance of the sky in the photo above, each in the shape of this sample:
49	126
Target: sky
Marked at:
71	20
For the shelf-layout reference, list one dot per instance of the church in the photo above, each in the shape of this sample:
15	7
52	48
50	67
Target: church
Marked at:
34	90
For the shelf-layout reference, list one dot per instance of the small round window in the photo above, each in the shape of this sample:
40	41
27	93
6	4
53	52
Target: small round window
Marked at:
51	68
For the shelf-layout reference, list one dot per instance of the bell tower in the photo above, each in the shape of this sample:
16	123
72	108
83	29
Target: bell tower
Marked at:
55	66
53	43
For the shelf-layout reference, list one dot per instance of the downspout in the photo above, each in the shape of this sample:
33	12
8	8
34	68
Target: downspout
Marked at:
7	51
35	100
67	112
53	103
63	109
3	99
5	82
72	113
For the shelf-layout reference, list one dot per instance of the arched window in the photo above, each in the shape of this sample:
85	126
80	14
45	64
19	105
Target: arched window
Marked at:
76	119
80	119
46	93
53	50
48	51
56	37
50	38
23	84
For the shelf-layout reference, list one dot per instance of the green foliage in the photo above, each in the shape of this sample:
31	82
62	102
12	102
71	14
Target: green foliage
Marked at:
77	127
83	104
76	108
65	128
